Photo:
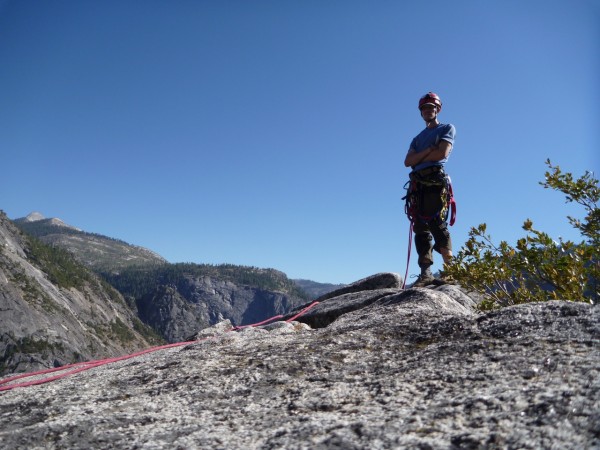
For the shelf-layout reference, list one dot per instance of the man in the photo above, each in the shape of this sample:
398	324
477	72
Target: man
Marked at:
427	155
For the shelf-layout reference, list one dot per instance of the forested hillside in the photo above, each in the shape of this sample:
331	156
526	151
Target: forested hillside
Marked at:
55	311
139	281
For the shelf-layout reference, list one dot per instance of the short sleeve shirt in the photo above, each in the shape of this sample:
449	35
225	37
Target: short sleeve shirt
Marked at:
432	136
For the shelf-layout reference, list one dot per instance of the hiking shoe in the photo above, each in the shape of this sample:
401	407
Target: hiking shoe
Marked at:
425	279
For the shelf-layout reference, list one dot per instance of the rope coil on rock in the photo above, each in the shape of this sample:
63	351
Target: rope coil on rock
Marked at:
86	365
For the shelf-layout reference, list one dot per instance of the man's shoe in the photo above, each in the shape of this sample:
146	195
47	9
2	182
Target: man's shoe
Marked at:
425	279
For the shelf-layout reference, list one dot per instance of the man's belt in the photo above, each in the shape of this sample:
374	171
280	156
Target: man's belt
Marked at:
431	176
429	171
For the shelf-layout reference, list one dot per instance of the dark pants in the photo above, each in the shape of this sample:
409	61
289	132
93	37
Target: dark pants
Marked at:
431	230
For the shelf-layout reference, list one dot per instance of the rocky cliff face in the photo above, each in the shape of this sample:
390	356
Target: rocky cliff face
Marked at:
179	310
371	366
56	313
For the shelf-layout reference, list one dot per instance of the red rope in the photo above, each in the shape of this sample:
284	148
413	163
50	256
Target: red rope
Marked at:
86	366
256	324
83	366
304	311
410	233
452	205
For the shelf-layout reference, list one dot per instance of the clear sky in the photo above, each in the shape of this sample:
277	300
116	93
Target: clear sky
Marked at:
272	133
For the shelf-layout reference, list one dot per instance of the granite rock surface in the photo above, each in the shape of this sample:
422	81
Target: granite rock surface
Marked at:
377	368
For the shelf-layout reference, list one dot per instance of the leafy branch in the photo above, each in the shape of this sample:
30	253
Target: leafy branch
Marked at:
537	268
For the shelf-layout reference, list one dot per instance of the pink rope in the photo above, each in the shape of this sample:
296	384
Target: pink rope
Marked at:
83	366
304	311
410	233
86	366
257	324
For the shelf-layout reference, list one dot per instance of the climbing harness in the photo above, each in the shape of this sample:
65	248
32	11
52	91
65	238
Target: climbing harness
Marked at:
430	176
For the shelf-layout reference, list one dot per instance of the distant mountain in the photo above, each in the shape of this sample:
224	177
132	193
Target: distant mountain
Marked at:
38	217
100	253
316	290
176	300
55	311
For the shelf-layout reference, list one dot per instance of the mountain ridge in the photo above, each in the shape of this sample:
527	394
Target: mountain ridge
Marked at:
55	311
97	251
50	230
175	300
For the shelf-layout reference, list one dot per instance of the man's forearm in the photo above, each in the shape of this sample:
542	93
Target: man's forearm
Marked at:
431	154
413	158
436	154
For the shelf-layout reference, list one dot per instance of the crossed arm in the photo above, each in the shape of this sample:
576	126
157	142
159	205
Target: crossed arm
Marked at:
433	153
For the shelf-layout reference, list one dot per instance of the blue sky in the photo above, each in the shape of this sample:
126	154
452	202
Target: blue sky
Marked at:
273	133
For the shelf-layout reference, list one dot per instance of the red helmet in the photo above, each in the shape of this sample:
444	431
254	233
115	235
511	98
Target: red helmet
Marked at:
433	98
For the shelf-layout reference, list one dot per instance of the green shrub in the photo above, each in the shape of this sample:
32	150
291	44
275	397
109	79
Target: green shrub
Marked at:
537	268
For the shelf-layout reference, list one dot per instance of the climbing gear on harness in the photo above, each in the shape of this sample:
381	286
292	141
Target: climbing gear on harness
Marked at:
429	176
433	98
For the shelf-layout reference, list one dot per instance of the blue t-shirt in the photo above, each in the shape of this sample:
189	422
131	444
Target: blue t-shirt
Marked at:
432	136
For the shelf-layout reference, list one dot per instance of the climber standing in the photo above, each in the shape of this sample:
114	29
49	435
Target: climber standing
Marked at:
429	187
